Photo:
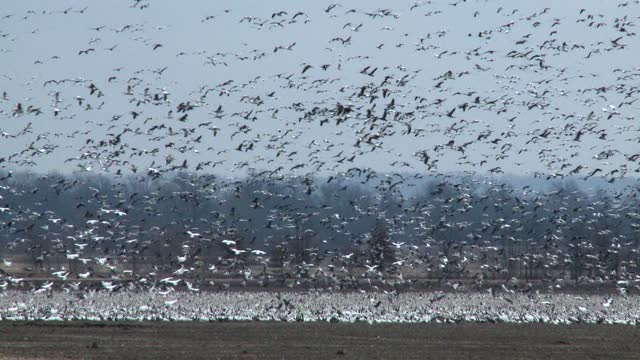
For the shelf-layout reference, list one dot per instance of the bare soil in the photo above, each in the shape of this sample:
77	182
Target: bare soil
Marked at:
254	340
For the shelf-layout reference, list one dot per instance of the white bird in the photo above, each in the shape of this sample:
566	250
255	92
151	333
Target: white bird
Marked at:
190	287
192	234
61	274
15	281
371	268
75	285
171	281
108	285
506	289
238	251
181	271
47	285
166	292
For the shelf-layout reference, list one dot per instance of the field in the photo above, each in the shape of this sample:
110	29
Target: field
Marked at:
271	340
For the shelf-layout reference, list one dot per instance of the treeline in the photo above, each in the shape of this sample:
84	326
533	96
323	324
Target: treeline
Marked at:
452	226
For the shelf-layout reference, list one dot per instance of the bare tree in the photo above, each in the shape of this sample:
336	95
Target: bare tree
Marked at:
381	251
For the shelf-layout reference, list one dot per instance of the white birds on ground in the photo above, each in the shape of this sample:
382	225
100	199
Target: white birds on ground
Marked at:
407	307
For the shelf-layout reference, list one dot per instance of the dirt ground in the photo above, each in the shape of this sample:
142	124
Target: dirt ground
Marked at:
251	340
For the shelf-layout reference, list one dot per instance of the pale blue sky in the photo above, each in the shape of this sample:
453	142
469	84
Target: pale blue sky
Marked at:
36	47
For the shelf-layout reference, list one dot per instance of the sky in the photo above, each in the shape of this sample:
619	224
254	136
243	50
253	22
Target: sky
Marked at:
543	83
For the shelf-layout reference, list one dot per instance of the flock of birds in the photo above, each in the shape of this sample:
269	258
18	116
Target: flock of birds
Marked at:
383	100
327	307
526	93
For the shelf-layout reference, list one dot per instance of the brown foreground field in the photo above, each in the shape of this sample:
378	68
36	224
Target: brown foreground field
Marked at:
252	340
